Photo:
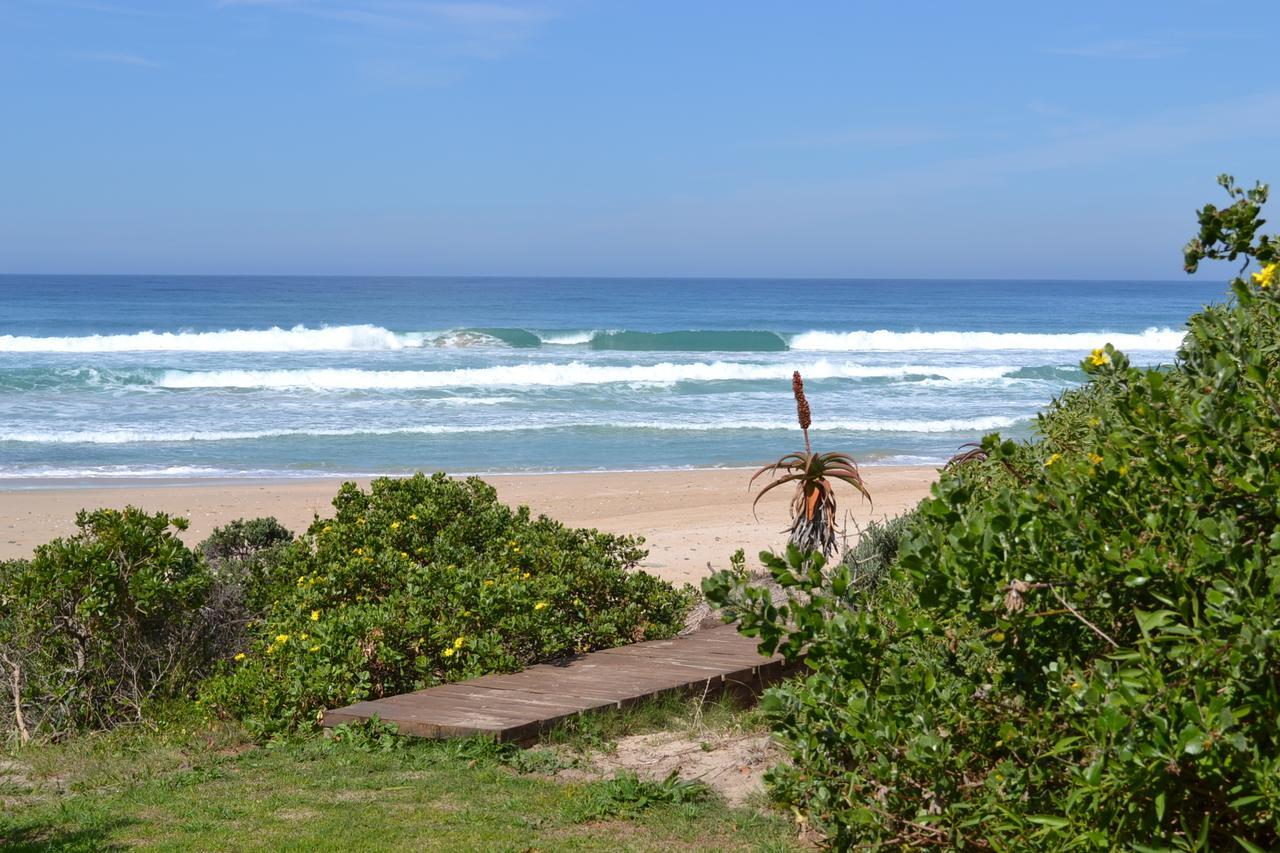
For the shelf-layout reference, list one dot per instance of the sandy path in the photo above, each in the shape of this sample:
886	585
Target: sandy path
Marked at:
689	518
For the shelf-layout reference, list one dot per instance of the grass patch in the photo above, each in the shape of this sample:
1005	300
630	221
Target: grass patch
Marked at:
208	788
695	716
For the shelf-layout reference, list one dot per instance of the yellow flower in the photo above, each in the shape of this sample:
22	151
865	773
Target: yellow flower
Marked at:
541	605
304	636
1052	459
1099	357
457	644
1094	459
998	637
524	576
358	551
282	638
413	516
488	583
240	656
395	525
315	615
448	651
314	649
1266	277
1123	469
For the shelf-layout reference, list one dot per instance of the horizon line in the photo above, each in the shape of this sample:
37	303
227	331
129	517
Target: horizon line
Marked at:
1187	278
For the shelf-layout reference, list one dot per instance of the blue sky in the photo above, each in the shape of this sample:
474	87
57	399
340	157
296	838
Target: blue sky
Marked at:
583	137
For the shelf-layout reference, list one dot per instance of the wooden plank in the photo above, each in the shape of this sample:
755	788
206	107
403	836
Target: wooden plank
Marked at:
692	657
518	706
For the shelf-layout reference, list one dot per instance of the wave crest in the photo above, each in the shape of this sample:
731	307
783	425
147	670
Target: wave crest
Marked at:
373	338
135	436
882	340
275	339
554	375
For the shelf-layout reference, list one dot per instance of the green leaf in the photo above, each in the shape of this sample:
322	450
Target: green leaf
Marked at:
1049	820
1148	621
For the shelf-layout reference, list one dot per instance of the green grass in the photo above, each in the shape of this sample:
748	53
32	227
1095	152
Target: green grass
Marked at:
208	788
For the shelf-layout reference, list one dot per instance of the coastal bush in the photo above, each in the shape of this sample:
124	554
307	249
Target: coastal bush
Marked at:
1077	645
424	580
98	625
244	558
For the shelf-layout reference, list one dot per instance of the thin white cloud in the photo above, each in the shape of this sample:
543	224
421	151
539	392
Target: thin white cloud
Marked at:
482	14
1138	48
1098	143
481	30
117	58
106	8
887	136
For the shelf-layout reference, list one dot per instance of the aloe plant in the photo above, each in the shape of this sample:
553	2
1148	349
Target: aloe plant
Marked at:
813	509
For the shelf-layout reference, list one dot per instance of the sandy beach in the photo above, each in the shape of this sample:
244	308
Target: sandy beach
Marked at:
688	518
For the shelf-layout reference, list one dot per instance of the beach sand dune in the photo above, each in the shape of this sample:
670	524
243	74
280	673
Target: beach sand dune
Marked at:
689	518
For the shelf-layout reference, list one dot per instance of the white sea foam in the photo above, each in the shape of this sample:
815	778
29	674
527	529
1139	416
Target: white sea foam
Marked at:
556	375
568	338
297	339
136	436
375	338
1151	340
124	471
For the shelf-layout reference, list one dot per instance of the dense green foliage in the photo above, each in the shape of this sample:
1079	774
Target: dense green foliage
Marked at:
243	558
426	580
243	554
417	582
1077	646
97	625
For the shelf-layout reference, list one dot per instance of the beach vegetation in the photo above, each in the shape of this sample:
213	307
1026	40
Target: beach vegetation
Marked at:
813	508
1078	643
242	556
426	580
98	626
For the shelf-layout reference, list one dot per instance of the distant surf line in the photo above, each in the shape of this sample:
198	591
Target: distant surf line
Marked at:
371	338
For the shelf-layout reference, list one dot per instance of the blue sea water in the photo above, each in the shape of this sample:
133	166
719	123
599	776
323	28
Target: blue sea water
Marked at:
176	376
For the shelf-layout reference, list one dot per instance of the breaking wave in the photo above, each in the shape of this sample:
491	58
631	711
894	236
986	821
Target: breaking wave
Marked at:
135	436
555	375
376	338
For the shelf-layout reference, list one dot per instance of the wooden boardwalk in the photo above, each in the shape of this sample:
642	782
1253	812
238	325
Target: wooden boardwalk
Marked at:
519	706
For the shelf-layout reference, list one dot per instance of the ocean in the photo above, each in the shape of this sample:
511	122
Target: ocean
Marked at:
111	377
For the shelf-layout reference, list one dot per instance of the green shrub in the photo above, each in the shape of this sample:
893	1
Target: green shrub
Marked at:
1077	648
97	625
876	549
244	558
426	580
244	554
